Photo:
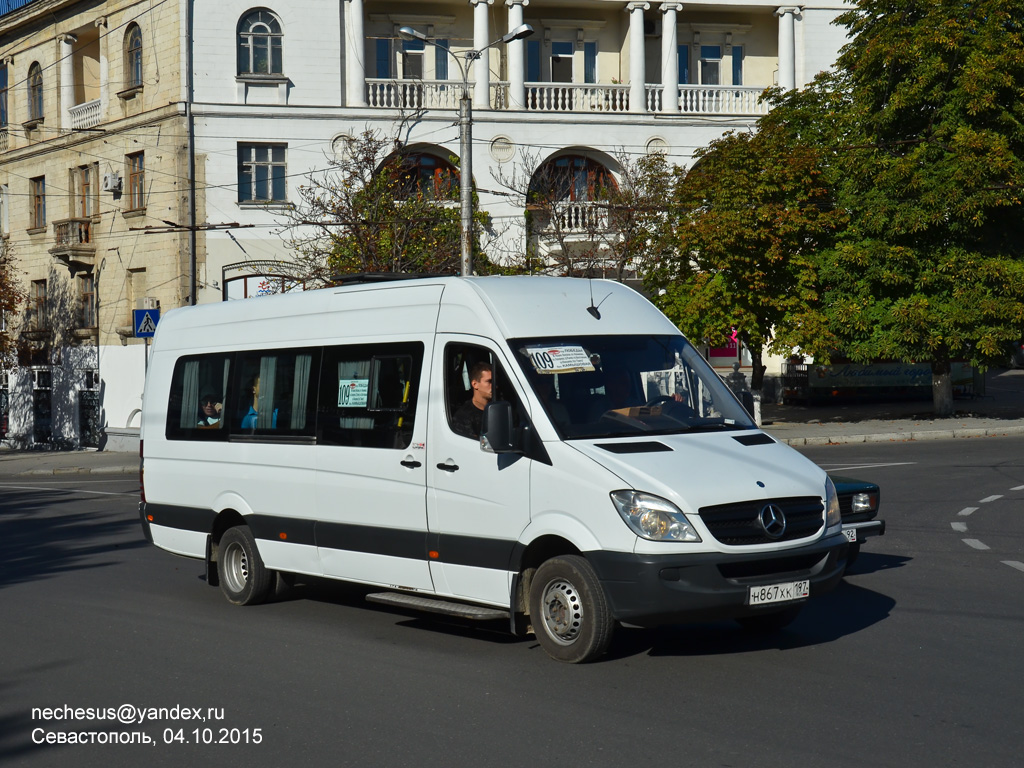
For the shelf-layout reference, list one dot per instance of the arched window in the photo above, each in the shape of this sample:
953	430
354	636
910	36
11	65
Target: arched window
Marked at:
35	91
259	44
133	57
572	177
428	175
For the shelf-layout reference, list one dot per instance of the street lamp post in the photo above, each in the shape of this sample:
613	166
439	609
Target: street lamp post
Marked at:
466	129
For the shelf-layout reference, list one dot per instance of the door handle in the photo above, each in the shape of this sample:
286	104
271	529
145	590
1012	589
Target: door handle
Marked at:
448	467
411	463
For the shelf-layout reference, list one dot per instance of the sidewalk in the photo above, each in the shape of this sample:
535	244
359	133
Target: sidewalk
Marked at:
30	463
999	412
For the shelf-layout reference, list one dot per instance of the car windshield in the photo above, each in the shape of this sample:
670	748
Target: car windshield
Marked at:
624	386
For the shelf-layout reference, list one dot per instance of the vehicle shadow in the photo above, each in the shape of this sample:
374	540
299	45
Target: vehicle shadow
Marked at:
848	609
872	562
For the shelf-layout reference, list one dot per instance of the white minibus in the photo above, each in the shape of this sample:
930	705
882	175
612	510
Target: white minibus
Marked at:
548	451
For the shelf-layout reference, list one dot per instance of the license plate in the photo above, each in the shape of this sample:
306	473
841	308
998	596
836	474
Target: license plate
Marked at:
851	535
779	593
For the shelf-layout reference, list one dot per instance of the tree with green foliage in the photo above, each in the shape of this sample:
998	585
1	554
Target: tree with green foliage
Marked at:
12	301
930	167
744	225
373	211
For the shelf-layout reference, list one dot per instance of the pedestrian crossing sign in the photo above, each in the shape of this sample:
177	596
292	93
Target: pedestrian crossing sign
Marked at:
145	322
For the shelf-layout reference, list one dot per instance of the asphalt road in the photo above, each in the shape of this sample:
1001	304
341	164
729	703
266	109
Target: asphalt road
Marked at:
913	661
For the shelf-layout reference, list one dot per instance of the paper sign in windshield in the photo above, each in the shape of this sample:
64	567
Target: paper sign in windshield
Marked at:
352	393
559	359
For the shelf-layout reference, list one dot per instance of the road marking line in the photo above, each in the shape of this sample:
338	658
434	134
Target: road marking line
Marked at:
1014	564
987	499
64	490
961	527
976	544
967	511
1018	488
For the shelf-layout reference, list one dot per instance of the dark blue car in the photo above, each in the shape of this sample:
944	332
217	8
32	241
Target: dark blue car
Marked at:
858	503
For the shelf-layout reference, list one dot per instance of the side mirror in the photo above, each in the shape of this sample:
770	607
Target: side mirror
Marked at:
747	398
496	430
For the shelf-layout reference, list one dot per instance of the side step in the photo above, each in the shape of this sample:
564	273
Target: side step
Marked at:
476	612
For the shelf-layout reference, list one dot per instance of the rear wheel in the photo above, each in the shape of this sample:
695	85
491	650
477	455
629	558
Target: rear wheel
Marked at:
244	579
569	610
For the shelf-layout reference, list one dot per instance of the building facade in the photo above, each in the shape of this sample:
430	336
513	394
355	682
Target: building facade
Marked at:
153	151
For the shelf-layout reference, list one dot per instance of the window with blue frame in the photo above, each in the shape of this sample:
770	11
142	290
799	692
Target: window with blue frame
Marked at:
590	62
533	61
737	65
684	64
441	60
383	57
710	65
561	62
412	59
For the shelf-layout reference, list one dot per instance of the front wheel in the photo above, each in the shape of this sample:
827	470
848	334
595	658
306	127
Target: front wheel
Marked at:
569	610
244	579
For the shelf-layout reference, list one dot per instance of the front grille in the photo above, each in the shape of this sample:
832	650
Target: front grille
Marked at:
739	524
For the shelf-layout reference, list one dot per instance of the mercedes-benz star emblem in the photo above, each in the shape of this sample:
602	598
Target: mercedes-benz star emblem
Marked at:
773	520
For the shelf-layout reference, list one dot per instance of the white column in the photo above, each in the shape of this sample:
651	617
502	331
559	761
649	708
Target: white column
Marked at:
787	48
637	68
481	35
101	27
516	56
355	55
669	57
67	79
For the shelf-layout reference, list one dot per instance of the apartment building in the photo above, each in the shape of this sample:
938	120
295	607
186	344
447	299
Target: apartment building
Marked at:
153	151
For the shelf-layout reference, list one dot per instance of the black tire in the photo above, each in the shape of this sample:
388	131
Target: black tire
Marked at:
770	622
569	610
244	579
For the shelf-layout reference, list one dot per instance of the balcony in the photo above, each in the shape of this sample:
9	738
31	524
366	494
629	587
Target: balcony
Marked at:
568	97
72	244
87	115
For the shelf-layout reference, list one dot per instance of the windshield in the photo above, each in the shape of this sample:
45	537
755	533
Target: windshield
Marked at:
624	386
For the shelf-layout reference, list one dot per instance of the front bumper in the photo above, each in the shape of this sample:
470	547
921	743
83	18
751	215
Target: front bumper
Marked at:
856	533
653	590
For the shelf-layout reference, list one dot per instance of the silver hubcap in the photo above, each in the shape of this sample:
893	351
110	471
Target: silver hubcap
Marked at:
236	567
562	611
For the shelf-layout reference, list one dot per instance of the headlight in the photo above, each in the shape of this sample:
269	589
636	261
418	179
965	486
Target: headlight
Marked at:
833	516
653	518
864	502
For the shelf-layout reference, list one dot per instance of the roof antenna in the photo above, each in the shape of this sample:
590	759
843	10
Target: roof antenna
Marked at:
595	311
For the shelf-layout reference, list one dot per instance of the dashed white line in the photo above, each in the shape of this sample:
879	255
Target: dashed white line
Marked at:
1018	488
976	544
967	511
987	499
960	527
1014	564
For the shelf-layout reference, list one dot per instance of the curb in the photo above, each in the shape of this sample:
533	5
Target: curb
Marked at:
79	471
894	437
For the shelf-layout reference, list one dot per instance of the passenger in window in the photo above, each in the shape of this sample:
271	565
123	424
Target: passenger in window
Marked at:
251	419
210	406
467	418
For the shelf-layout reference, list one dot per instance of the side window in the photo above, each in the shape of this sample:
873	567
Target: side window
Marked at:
197	402
276	393
473	378
368	395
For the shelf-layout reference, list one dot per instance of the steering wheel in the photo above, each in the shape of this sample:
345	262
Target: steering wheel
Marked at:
659	399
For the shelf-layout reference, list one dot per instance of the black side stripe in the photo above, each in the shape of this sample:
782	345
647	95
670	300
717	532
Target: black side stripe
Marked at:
475	551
